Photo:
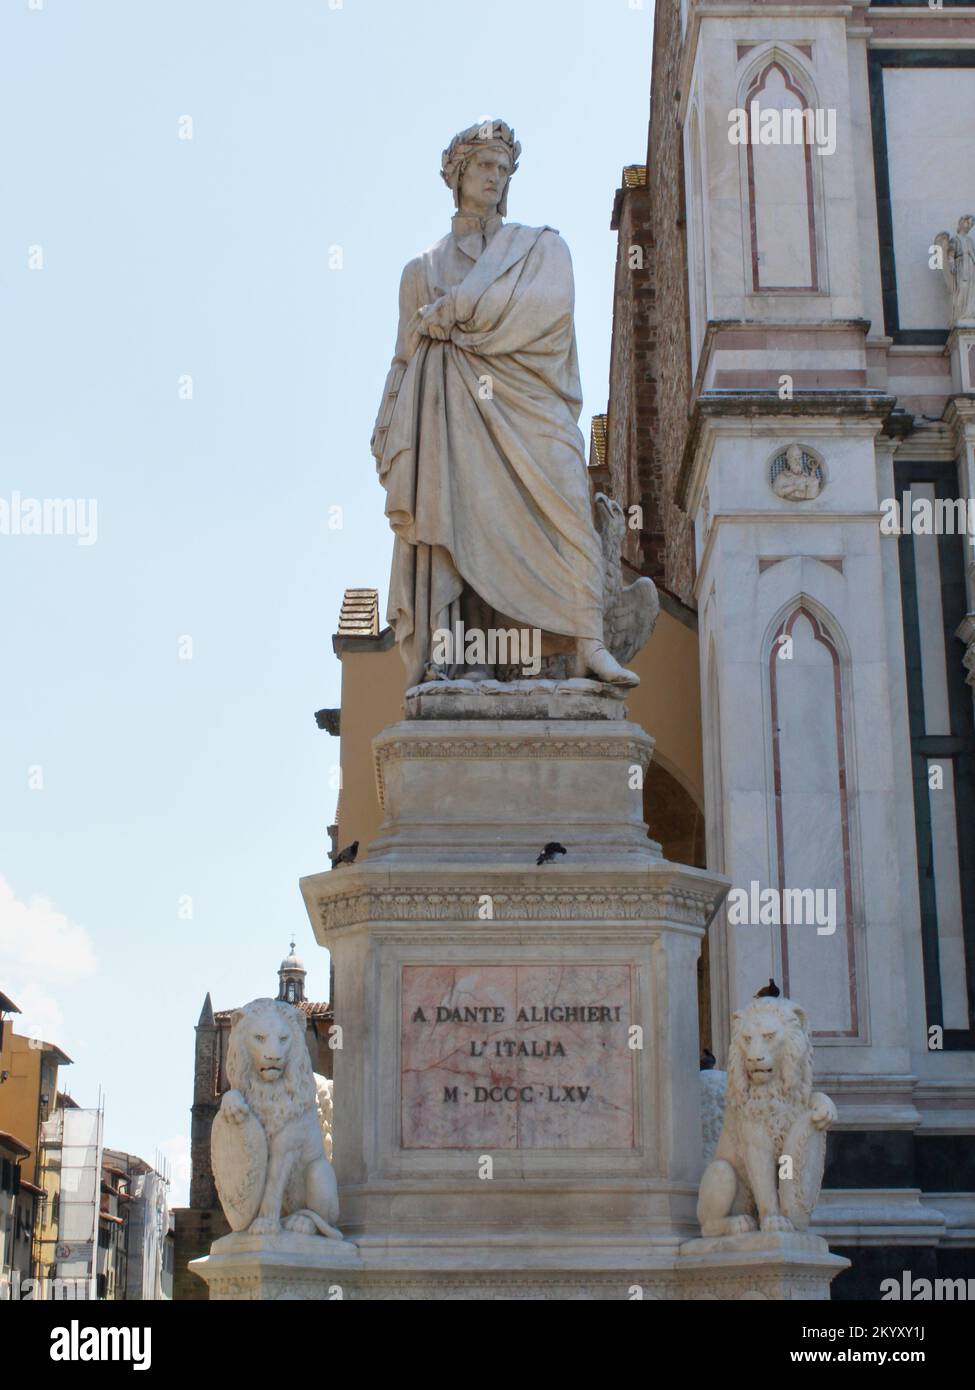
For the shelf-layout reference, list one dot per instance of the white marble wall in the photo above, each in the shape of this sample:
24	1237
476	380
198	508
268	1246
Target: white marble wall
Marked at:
763	557
718	82
779	810
930	115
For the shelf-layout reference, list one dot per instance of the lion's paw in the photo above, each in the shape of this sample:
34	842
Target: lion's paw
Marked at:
741	1225
301	1225
823	1115
265	1226
235	1107
777	1223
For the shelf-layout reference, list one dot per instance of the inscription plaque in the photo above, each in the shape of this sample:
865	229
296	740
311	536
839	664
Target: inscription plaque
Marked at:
517	1057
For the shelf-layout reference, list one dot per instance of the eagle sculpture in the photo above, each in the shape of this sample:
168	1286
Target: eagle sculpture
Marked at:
629	610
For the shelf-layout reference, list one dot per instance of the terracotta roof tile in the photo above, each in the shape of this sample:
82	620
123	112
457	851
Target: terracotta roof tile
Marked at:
360	613
313	1008
10	1141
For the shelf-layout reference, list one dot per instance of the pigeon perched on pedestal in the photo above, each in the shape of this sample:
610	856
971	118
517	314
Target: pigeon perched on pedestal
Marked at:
345	856
550	851
770	991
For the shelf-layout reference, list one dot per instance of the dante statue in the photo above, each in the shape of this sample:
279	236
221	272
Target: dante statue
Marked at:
958	269
477	442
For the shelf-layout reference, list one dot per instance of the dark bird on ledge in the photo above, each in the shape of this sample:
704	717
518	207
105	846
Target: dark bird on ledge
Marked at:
550	851
771	991
345	856
708	1059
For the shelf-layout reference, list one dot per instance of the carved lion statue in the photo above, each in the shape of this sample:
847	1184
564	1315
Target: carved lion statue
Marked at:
267	1142
772	1149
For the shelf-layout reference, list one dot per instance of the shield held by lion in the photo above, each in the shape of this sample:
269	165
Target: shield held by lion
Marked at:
238	1150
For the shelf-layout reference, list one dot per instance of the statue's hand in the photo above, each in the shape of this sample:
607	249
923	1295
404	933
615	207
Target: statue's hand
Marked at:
437	319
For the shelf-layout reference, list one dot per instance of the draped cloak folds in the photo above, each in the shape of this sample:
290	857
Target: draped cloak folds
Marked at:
482	460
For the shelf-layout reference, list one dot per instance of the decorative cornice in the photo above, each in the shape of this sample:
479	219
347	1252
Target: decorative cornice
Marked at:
513	903
365	644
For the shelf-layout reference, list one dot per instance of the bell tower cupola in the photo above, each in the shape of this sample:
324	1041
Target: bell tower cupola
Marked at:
291	978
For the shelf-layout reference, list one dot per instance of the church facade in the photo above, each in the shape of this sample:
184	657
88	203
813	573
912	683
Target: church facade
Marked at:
790	385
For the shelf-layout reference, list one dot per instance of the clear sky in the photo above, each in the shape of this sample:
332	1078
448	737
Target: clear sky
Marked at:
132	778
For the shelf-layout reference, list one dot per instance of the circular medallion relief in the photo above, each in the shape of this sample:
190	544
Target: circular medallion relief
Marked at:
796	475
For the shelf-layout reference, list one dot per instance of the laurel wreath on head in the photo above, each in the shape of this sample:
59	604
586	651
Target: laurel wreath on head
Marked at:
465	145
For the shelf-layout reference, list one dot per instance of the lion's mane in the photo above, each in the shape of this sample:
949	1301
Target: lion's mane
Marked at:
273	1102
787	1094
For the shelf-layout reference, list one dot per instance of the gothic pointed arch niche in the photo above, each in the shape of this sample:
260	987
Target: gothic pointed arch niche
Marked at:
782	198
814	839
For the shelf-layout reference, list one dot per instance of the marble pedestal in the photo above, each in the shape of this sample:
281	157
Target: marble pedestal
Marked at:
758	1266
961	351
516	1093
517	1097
286	1266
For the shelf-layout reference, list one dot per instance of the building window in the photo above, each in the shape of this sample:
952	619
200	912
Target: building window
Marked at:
932	569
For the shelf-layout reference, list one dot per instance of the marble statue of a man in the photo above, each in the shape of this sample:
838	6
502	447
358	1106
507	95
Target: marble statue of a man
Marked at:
958	269
477	442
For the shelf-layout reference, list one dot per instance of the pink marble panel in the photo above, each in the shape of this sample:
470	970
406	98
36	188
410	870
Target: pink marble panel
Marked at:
517	1057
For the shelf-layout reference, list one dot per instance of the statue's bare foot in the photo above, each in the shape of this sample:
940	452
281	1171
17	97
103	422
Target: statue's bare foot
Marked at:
593	659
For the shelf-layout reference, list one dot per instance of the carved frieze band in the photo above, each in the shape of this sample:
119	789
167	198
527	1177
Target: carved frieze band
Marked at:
682	906
734	1286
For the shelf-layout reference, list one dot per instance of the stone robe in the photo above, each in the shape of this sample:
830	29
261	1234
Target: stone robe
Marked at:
478	447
